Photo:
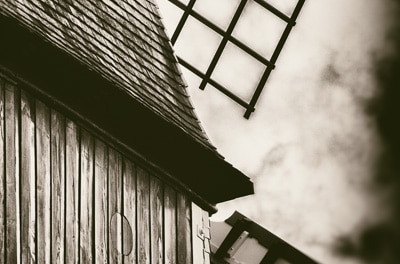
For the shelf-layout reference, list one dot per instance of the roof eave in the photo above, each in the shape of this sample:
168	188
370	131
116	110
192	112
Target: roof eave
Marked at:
96	98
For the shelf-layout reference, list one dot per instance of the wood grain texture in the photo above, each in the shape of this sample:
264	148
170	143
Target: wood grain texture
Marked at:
86	203
156	221
143	220
61	187
115	204
12	251
129	186
43	183
101	206
28	187
170	229
57	185
72	193
2	174
184	246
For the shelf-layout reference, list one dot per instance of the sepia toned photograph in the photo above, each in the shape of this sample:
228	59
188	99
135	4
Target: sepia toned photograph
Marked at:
200	131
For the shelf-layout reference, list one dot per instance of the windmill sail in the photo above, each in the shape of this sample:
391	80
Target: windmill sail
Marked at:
228	38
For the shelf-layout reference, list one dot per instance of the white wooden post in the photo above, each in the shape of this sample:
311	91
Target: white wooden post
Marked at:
200	235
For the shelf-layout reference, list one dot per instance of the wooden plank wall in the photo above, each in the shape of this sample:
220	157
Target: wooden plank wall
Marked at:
66	196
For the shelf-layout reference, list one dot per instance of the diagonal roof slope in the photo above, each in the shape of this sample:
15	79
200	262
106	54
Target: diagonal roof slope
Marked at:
113	62
125	42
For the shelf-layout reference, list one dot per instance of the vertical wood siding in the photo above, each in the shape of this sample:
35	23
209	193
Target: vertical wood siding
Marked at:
86	199
66	196
156	212
57	159
11	156
114	204
129	183
72	193
27	180
43	183
2	174
184	229
143	216
100	199
170	221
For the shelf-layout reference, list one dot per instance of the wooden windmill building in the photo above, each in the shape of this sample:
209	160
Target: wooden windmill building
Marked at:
102	158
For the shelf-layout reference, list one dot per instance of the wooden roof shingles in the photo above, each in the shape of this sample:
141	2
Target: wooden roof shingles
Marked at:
125	42
112	63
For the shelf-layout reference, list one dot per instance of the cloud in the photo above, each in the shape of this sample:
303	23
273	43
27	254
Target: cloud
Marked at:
310	143
274	158
331	74
377	240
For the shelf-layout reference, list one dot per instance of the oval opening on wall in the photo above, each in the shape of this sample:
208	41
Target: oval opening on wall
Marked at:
121	234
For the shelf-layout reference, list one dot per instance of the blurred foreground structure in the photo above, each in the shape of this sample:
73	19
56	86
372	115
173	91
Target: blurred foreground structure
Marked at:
240	240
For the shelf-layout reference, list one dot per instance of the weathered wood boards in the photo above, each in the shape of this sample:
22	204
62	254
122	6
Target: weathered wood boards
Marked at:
72	187
67	196
43	188
143	216
156	215
100	202
170	222
57	160
2	174
27	180
86	199
129	209
184	239
11	157
114	204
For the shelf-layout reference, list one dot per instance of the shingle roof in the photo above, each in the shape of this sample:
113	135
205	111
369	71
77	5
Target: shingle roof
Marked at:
123	41
111	64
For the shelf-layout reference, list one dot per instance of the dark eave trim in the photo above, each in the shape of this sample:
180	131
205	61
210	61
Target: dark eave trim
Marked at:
84	91
106	137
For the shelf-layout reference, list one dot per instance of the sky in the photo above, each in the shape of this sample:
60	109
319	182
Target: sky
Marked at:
310	147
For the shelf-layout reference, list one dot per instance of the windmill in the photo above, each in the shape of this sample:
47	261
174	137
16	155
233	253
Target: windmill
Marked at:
228	37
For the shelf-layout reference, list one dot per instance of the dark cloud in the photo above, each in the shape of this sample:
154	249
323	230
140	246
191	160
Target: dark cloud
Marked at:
379	241
331	74
343	147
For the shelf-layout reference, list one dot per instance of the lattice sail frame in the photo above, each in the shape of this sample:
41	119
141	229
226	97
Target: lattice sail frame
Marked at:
227	37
